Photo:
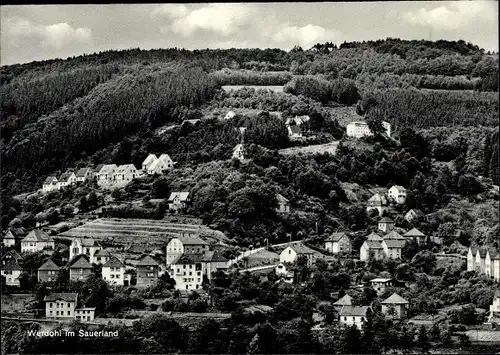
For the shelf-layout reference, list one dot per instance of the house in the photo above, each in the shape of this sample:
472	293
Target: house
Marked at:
416	235
229	115
11	256
85	246
238	152
297	120
492	264
50	184
397	193
187	271
386	225
48	271
84	174
113	272
380	284
8	239
283	204
371	249
377	202
374	237
394	236
494	314
338	243
392	248
395	307
66	179
105	175
79	269
213	261
12	272
361	129
124	174
413	215
36	240
96	170
147	272
484	260
101	256
164	162
293	251
178	200
63	306
185	245
353	315
344	301
294	131
151	158
283	273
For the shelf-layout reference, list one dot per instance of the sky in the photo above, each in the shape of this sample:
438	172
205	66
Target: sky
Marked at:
38	32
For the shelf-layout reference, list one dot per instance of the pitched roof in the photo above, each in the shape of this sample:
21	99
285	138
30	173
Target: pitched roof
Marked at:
183	195
415	211
335	237
88	242
344	301
98	168
36	235
49	265
393	243
386	220
113	262
82	172
147	261
393	235
493	253
8	235
65	296
414	232
65	176
12	265
14	254
80	263
294	129
373	244
380	279
399	187
107	168
165	157
359	311
49	180
191	240
395	299
373	237
281	198
214	256
102	252
377	198
150	158
125	168
300	248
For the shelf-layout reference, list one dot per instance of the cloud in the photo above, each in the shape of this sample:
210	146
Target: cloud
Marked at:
55	36
453	15
305	36
170	10
222	19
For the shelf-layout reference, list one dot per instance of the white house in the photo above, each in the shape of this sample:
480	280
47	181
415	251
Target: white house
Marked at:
66	179
184	245
101	257
413	214
283	204
178	201
395	306
85	246
386	225
338	243
187	271
164	162
283	273
50	184
392	248
371	249
297	120
494	314
379	284
151	158
229	115
238	152
124	174
12	271
377	202
36	240
63	306
113	272
353	315
360	129
84	174
484	260
397	193
293	251
8	239
105	175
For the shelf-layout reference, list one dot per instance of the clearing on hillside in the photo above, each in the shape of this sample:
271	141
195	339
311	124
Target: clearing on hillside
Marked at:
138	231
275	88
330	148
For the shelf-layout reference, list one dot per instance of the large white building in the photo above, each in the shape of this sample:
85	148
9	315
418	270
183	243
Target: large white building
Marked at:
36	240
86	246
377	202
124	174
360	129
484	260
397	194
353	315
104	175
293	251
153	165
63	306
185	245
8	239
113	272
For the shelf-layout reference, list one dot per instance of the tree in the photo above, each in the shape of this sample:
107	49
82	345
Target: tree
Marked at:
375	125
425	261
350	341
423	339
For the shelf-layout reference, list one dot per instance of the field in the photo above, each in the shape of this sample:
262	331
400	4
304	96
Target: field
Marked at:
137	231
16	303
264	257
330	148
275	88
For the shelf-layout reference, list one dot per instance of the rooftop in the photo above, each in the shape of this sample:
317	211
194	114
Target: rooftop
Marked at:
49	265
380	279
335	237
395	299
147	261
37	235
113	262
63	296
359	311
344	301
191	240
182	195
414	232
80	263
374	244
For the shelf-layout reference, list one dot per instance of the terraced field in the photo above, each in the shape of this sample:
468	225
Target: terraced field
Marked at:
132	231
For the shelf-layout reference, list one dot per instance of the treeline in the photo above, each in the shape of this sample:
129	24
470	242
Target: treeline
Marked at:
424	109
249	77
120	107
341	91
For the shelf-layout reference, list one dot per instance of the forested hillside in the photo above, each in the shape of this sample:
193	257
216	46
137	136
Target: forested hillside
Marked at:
106	107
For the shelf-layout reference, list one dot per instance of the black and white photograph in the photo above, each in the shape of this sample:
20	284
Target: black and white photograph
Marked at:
250	178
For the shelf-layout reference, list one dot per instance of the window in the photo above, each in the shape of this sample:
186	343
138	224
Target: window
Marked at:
353	319
345	318
50	312
57	313
50	304
289	252
68	313
190	273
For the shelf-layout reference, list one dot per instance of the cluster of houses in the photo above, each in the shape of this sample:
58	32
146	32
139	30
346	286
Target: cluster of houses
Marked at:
295	126
361	129
380	202
110	175
484	260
